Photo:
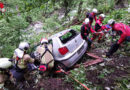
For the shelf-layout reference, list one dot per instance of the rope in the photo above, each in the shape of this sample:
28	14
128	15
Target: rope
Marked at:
61	70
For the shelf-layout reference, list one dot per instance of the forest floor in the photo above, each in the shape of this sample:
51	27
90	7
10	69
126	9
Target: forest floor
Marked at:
113	72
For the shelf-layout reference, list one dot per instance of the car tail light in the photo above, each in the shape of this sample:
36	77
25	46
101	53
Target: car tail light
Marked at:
63	50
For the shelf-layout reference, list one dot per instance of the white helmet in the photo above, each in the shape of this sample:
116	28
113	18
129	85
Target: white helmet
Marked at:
111	21
102	16
43	40
94	10
5	63
24	46
19	53
86	21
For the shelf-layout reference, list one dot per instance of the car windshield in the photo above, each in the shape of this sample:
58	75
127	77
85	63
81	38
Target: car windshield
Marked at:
68	36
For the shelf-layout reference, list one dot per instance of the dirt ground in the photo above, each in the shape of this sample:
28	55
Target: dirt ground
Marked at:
116	69
55	84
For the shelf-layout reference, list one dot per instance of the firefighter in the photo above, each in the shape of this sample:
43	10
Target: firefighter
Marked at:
47	60
85	30
22	62
92	16
122	30
100	28
5	64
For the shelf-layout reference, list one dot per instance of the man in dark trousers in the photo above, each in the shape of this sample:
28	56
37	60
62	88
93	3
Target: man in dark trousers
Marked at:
92	16
122	30
85	30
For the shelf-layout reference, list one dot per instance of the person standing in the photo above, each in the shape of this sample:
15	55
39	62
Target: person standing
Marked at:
85	30
22	62
92	16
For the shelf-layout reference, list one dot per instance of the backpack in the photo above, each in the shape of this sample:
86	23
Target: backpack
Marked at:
46	55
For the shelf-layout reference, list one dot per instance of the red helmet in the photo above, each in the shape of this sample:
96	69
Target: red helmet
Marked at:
43	40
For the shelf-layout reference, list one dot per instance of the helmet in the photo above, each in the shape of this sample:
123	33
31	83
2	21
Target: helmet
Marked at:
111	21
102	16
86	21
19	53
94	10
5	63
24	46
43	40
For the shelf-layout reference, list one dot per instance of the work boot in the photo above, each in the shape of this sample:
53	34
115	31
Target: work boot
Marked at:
89	43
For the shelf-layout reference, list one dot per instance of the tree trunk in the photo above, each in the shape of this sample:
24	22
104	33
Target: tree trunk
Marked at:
66	7
80	8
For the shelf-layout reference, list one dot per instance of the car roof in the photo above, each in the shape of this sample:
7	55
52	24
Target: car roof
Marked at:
60	33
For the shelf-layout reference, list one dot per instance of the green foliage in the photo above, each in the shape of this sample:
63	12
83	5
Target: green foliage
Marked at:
7	50
123	83
102	5
11	34
35	41
108	17
51	24
118	14
65	36
76	27
104	73
29	4
80	75
45	5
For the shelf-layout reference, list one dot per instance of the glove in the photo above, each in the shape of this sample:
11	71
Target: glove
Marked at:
103	27
113	49
42	68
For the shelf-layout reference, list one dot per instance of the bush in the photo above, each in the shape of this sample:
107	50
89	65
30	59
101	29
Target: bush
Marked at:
11	34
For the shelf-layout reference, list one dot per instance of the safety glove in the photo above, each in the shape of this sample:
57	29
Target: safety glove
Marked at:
42	68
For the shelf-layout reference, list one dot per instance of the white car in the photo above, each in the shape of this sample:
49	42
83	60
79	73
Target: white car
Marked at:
68	47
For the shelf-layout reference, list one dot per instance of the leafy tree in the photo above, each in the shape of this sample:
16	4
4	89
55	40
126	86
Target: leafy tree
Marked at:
11	34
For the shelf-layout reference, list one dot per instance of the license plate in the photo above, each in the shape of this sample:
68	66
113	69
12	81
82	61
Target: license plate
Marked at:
79	51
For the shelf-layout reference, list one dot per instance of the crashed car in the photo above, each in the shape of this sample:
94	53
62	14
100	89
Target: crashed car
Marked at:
68	47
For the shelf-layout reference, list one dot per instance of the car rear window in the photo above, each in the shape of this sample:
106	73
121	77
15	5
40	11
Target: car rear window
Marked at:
68	36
